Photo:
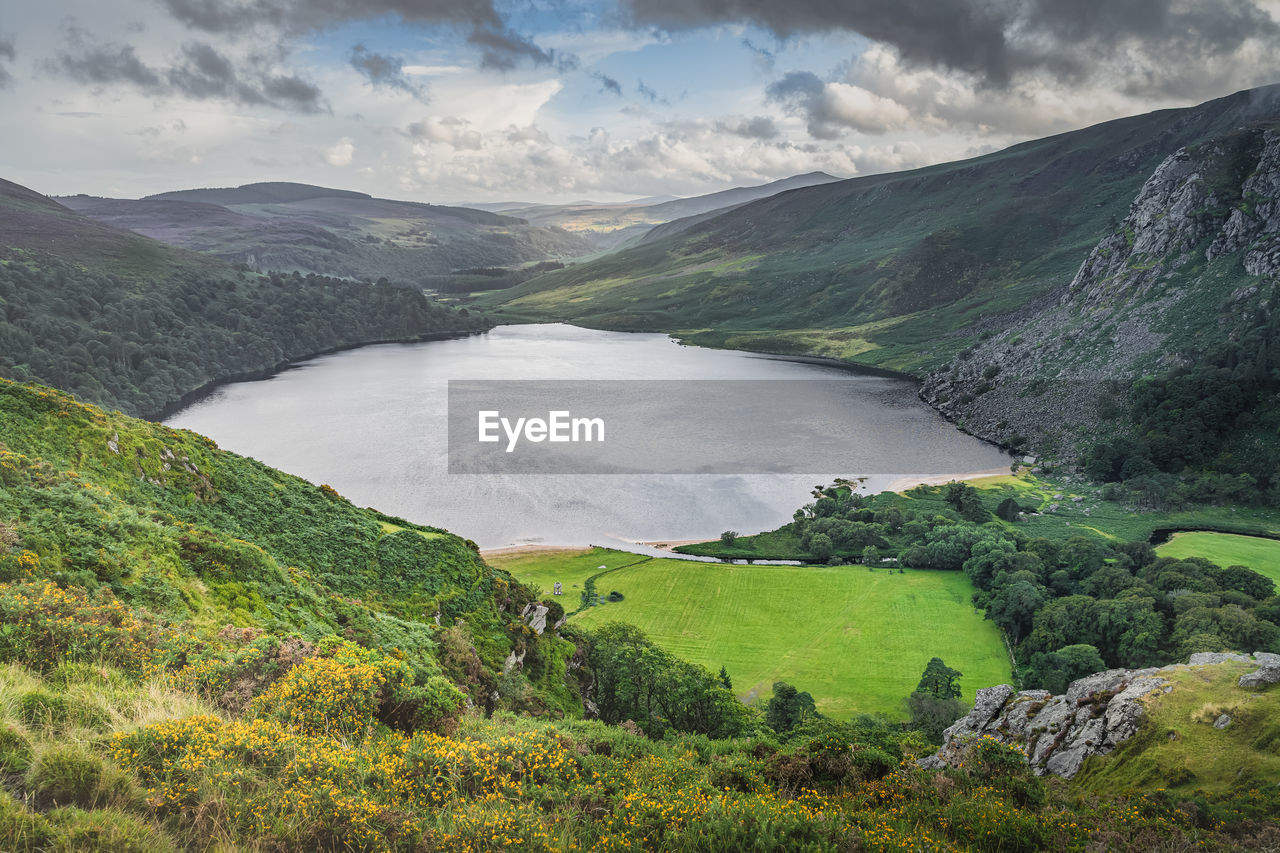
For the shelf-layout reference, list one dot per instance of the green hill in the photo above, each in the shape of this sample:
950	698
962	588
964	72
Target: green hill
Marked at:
135	324
902	270
199	653
286	227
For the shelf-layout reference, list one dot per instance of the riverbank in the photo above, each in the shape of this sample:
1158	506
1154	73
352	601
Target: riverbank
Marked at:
194	396
902	484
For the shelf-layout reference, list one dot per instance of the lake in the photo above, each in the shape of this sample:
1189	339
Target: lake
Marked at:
373	423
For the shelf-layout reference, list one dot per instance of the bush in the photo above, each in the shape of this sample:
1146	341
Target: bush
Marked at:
68	775
15	750
104	831
40	709
20	830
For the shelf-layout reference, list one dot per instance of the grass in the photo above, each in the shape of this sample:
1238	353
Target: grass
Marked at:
570	566
856	640
1226	549
1179	749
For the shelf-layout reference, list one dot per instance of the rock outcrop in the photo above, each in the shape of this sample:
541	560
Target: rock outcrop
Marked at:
1196	256
1095	715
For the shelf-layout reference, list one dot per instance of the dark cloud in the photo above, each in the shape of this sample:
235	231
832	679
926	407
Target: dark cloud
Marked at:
608	84
648	93
297	17
831	108
385	71
8	52
199	72
764	58
995	39
500	48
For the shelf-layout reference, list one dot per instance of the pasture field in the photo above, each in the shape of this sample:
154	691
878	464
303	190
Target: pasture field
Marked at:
1227	549
857	640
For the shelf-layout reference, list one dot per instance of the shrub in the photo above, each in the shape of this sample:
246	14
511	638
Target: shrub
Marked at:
104	831
65	774
15	750
40	709
20	830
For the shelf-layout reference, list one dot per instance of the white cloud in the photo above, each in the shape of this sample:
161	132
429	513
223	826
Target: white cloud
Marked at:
340	153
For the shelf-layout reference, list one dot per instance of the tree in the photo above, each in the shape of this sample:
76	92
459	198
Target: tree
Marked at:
871	555
940	680
725	680
1056	670
820	546
788	708
931	715
1008	510
729	537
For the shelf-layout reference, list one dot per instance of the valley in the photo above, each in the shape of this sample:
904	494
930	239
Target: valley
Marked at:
258	594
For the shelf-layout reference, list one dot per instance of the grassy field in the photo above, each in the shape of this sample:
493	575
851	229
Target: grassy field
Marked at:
857	640
1225	549
571	566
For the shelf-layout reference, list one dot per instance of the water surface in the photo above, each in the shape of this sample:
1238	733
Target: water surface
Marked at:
372	423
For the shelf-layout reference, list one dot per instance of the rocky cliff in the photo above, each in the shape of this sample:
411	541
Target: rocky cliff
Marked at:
1095	715
1198	252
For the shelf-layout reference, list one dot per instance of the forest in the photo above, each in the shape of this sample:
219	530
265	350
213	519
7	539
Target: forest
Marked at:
141	346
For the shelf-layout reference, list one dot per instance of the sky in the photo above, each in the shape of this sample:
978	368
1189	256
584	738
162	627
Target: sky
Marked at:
455	101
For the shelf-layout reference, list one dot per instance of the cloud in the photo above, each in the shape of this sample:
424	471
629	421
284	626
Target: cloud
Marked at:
457	133
199	72
384	71
340	153
299	17
831	108
997	41
755	127
10	52
764	58
501	49
608	84
649	94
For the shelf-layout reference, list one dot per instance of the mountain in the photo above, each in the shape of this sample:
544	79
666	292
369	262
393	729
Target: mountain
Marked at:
133	323
1185	284
287	227
609	226
892	269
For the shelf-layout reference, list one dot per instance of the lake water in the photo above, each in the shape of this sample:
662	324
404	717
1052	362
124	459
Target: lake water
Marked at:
372	423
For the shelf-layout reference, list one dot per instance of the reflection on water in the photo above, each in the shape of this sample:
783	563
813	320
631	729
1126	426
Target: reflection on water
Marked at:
372	423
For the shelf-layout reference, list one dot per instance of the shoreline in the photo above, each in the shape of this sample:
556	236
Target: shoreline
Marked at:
190	398
902	484
899	485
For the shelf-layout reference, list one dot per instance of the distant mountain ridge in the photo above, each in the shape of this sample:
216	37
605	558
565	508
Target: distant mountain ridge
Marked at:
288	226
610	226
129	322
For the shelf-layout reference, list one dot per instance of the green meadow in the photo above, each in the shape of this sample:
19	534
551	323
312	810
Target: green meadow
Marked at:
1227	549
857	640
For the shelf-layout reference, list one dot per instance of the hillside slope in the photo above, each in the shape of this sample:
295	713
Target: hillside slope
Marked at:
132	323
897	270
609	226
1186	282
287	227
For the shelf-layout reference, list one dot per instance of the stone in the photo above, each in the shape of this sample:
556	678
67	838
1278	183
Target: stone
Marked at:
1203	658
1263	677
535	616
1222	722
113	443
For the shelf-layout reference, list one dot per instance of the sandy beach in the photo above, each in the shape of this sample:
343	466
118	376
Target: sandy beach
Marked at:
903	483
528	549
668	544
